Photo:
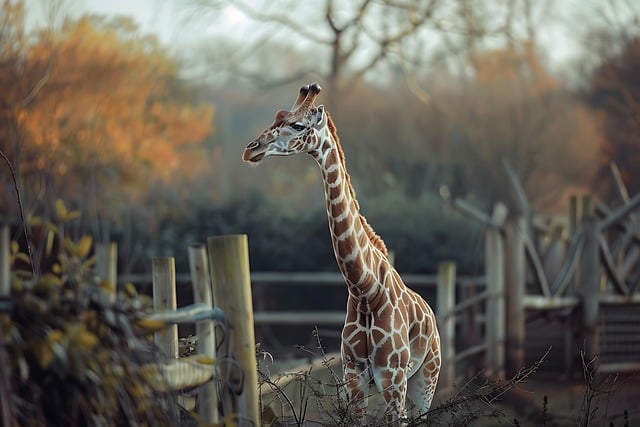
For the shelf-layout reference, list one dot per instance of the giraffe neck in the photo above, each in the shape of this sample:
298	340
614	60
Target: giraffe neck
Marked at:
359	251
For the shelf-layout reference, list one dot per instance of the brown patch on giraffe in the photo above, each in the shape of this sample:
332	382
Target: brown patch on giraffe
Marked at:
279	118
373	237
430	366
345	246
377	335
331	177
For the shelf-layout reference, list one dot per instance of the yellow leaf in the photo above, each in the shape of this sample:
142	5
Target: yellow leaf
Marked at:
71	216
50	280
130	290
205	360
151	325
61	209
89	263
15	247
50	226
35	221
43	353
69	246
55	336
23	257
55	268
83	246
105	285
87	340
49	246
230	420
25	274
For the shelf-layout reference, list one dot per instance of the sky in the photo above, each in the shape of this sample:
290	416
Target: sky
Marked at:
169	20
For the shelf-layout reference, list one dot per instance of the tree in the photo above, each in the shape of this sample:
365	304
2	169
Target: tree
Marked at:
514	109
112	116
615	92
339	43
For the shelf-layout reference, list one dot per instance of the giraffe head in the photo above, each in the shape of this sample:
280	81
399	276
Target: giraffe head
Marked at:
292	132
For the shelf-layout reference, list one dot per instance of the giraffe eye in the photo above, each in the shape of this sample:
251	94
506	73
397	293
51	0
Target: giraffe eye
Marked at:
297	126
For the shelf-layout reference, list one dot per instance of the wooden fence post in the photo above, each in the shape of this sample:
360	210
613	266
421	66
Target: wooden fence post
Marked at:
590	286
107	265
446	301
515	276
164	298
205	331
495	319
5	267
230	274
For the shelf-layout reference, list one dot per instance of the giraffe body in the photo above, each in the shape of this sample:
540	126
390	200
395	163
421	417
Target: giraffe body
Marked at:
390	336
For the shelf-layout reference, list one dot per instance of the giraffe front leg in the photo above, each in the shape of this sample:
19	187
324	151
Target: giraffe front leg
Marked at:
392	384
422	385
356	381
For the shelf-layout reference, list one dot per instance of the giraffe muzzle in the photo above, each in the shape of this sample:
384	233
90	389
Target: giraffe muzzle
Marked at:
254	153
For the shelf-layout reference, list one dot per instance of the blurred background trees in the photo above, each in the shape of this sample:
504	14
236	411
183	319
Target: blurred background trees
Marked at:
429	97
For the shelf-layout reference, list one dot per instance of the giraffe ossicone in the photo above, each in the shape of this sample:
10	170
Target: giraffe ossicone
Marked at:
390	337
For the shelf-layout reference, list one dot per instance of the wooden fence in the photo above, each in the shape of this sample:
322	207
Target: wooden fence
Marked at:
482	320
470	315
224	368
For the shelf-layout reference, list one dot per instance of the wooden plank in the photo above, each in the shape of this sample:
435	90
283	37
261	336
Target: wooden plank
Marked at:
515	291
610	368
590	286
471	351
205	330
107	266
539	302
613	299
567	272
630	261
610	267
476	299
620	185
495	306
308	278
334	318
534	259
164	299
621	212
230	277
446	320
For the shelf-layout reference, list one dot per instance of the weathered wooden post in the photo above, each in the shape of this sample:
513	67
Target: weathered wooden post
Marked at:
107	265
515	276
205	331
495	320
230	274
5	267
589	286
446	301
164	298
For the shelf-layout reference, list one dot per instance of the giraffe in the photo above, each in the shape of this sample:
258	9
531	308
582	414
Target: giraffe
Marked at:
390	336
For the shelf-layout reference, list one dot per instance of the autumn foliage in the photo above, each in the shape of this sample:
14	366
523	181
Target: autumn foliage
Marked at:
615	92
95	106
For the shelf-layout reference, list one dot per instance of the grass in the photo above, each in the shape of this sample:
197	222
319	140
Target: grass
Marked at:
314	395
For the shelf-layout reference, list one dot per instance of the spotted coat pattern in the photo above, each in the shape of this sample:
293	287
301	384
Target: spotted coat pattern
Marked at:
390	336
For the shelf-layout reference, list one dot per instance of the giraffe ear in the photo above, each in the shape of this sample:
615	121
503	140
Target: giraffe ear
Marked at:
320	117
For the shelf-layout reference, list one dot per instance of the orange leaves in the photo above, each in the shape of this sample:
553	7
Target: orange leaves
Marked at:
112	106
513	65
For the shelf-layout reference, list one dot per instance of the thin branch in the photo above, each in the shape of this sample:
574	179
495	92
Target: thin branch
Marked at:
37	87
21	209
279	18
